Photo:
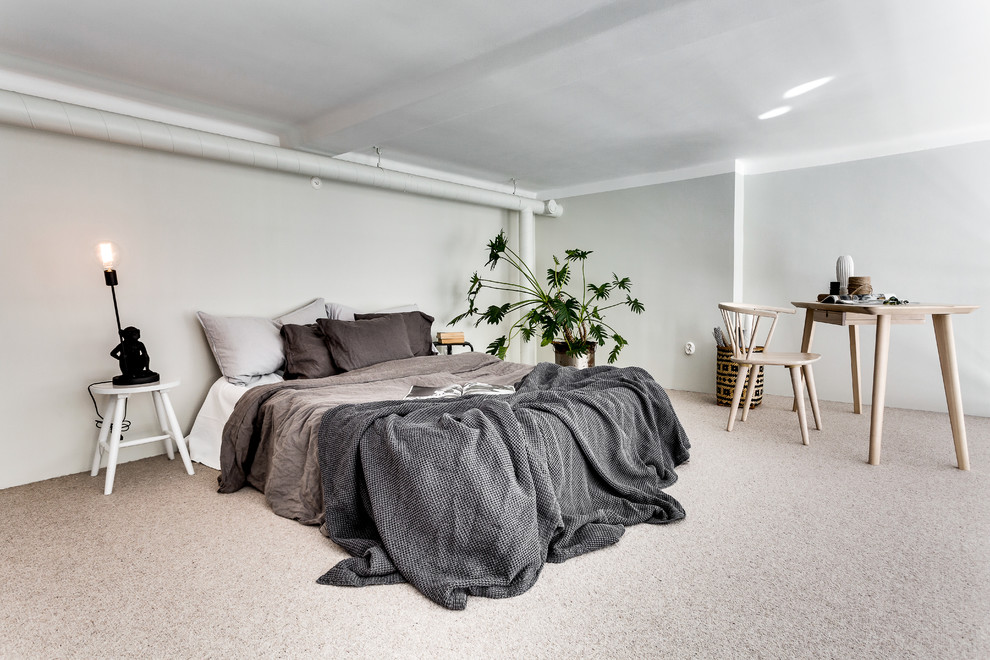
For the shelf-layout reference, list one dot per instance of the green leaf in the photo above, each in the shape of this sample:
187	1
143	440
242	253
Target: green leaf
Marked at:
635	305
498	347
625	283
559	278
496	248
495	313
549	334
577	255
600	292
565	312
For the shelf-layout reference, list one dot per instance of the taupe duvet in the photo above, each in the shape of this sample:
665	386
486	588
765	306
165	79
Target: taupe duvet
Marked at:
271	438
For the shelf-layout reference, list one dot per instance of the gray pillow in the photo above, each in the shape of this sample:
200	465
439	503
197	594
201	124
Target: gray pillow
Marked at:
356	344
419	329
248	347
306	352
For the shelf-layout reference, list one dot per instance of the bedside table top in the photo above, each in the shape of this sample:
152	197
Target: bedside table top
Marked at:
110	388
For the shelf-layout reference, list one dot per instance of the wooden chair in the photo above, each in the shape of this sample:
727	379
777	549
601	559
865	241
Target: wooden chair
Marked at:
743	324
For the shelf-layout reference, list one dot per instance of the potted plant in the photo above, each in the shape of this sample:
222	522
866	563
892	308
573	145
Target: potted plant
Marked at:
574	323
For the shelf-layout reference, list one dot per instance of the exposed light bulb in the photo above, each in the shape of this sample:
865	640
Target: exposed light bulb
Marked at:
807	87
776	112
109	254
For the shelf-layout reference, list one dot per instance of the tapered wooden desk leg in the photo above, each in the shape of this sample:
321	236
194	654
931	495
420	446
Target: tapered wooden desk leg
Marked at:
879	386
854	362
950	380
809	335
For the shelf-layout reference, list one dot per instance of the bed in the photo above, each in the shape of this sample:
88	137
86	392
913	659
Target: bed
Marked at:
463	496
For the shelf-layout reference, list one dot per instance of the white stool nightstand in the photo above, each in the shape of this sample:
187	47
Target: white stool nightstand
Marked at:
113	417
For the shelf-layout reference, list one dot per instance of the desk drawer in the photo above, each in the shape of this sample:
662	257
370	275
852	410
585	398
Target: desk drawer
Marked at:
854	318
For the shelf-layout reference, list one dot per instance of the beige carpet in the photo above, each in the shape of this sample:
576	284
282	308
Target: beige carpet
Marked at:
787	552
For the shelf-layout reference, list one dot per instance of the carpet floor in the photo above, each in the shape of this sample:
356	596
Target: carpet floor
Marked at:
787	551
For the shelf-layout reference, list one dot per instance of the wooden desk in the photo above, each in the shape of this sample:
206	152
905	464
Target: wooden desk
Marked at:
883	316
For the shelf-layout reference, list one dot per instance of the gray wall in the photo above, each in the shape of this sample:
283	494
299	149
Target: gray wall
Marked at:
195	235
674	241
918	224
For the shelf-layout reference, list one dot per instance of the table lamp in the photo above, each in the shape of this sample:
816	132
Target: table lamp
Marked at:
130	352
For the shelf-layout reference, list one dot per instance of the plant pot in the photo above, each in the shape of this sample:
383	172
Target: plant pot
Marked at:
561	357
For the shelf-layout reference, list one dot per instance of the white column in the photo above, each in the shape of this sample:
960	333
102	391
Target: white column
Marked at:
738	232
527	250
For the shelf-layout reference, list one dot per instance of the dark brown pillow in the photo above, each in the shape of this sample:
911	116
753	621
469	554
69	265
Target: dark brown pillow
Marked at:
419	328
362	343
306	352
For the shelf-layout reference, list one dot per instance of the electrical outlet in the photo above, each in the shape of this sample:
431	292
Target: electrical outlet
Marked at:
689	348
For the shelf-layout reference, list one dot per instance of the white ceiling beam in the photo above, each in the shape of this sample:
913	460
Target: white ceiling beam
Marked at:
360	124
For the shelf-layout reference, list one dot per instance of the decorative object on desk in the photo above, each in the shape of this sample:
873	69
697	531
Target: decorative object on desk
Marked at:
130	352
843	271
860	285
894	300
726	372
575	325
833	288
865	299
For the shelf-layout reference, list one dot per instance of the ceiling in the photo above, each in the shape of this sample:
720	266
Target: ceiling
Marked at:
555	97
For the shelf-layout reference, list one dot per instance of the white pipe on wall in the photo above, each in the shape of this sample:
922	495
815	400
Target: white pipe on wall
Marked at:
527	252
44	114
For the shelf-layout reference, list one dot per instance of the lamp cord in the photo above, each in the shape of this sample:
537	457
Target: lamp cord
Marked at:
124	425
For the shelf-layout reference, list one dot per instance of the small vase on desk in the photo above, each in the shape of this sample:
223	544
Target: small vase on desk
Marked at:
843	269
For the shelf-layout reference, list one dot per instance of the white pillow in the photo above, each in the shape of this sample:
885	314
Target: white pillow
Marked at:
305	314
340	312
248	347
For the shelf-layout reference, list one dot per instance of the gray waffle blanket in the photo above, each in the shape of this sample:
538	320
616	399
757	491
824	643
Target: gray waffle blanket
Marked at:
472	496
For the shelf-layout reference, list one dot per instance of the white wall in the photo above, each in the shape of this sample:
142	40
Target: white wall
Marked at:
918	224
195	235
675	242
240	241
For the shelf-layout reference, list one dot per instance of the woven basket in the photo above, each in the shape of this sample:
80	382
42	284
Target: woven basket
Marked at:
725	379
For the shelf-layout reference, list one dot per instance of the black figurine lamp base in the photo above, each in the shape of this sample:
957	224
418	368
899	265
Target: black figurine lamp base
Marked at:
143	379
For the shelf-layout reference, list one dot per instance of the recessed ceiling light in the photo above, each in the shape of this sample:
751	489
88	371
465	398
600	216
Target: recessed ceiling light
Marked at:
807	87
776	112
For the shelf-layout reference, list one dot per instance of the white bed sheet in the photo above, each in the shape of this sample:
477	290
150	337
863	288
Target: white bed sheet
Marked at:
204	438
